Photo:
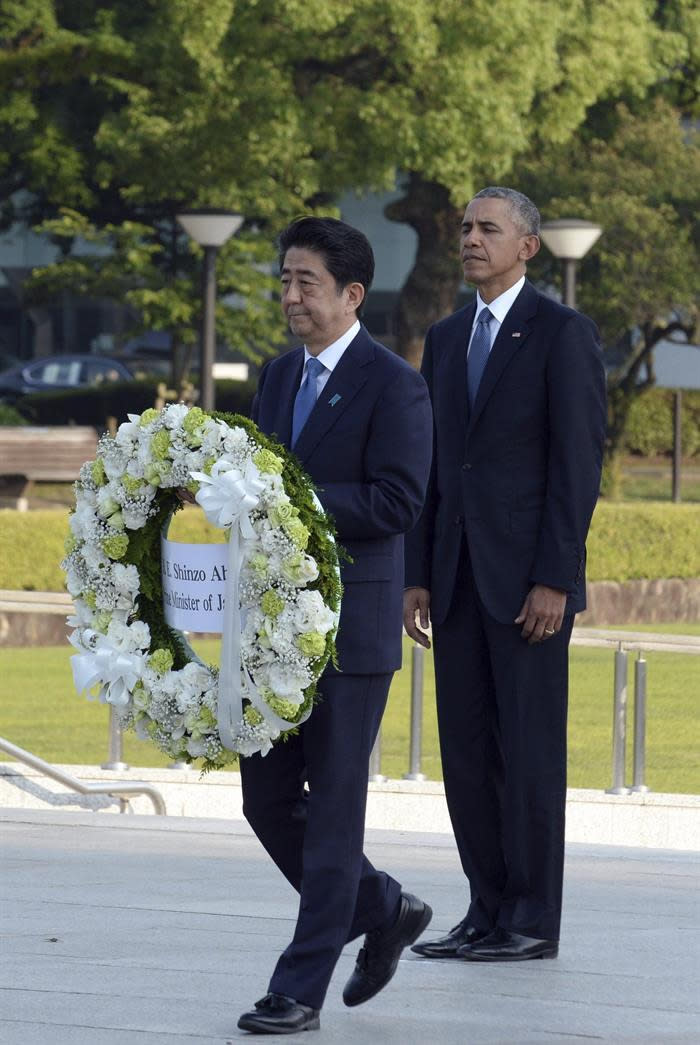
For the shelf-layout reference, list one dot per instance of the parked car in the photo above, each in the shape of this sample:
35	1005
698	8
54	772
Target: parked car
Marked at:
53	372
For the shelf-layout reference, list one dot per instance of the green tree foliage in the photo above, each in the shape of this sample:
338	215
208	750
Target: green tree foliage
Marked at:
124	112
114	118
638	175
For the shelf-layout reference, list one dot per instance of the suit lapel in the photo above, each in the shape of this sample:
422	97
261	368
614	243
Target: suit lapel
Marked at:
512	335
288	387
455	367
342	386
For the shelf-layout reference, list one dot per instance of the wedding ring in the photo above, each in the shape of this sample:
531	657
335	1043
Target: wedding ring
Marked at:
549	631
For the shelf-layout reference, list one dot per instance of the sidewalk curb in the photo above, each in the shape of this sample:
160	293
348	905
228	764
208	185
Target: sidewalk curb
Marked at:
650	820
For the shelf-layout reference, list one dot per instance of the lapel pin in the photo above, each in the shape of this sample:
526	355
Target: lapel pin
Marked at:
516	334
334	400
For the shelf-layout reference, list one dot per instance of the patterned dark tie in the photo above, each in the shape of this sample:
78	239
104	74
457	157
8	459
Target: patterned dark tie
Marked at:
305	397
478	353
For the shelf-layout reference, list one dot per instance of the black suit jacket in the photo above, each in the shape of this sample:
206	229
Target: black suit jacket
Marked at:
519	474
367	447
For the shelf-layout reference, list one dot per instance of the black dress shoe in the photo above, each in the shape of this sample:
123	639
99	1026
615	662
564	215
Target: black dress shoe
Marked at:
278	1014
503	945
377	960
447	946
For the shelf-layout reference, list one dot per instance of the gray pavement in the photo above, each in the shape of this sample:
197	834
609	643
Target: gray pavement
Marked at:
140	930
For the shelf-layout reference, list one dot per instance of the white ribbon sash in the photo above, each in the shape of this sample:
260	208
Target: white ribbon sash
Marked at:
116	670
228	496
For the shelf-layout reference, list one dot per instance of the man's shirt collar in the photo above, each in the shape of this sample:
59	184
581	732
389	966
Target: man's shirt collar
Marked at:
500	306
330	356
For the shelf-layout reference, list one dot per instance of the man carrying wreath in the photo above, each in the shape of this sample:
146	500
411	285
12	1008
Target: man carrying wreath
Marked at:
359	420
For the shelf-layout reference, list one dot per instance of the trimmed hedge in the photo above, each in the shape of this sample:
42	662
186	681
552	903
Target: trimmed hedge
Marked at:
640	541
649	429
627	542
92	406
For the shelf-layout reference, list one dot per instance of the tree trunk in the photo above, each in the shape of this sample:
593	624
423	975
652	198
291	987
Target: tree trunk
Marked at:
430	290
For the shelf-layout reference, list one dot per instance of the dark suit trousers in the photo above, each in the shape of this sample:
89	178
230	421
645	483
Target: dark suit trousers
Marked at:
502	708
315	837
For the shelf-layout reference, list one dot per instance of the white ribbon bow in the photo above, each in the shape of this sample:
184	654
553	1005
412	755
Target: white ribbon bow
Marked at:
227	497
115	669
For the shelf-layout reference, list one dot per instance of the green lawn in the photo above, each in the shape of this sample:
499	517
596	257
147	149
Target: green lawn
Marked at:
40	711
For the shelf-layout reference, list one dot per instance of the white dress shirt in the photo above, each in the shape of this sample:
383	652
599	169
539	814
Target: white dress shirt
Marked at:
330	357
499	309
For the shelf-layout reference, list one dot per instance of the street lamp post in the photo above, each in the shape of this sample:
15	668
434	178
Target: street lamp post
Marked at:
569	239
211	229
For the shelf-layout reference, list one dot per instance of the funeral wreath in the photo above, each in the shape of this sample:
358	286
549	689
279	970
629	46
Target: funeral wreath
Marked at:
282	597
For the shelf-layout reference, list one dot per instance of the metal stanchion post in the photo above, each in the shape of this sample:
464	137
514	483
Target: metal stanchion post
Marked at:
640	724
619	725
414	758
114	755
375	761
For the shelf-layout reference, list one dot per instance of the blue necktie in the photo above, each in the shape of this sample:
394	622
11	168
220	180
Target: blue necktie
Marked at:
478	353
305	397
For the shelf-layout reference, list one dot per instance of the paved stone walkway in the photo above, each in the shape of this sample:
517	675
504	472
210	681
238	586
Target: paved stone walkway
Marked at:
139	930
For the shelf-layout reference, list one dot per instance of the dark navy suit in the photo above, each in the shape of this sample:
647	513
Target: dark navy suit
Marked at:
367	447
511	496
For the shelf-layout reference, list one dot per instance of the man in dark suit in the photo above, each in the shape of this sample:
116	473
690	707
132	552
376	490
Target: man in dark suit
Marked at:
367	445
496	563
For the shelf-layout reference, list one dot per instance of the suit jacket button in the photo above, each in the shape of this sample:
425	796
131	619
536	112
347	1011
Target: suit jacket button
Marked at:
459	520
466	466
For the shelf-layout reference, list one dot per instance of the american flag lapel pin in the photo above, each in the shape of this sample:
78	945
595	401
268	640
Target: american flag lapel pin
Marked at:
334	400
516	334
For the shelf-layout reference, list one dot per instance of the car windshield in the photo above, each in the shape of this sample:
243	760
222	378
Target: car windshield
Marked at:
57	373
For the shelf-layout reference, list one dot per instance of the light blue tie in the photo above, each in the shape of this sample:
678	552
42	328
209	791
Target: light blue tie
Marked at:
478	353
305	397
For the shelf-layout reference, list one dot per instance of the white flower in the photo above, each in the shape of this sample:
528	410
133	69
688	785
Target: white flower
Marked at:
94	557
310	613
175	414
288	684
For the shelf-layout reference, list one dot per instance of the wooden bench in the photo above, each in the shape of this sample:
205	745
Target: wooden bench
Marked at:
53	454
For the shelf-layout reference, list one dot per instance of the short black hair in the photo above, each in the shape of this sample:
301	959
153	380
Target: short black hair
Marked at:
346	252
523	211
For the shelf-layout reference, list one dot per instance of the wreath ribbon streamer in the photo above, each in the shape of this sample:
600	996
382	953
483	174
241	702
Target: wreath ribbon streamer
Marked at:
227	497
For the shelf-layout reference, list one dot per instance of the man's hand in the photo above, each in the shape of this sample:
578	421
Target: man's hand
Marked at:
542	613
416	600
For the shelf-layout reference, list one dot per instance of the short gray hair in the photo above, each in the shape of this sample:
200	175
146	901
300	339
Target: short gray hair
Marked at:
524	212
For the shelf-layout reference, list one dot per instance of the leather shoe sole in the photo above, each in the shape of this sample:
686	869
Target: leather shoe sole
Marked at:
448	946
504	945
379	957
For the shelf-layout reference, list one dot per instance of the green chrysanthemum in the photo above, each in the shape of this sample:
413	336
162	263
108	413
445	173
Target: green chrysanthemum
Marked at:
131	484
193	424
268	462
147	416
252	716
297	533
160	444
161	660
115	547
271	604
97	471
311	643
284	708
